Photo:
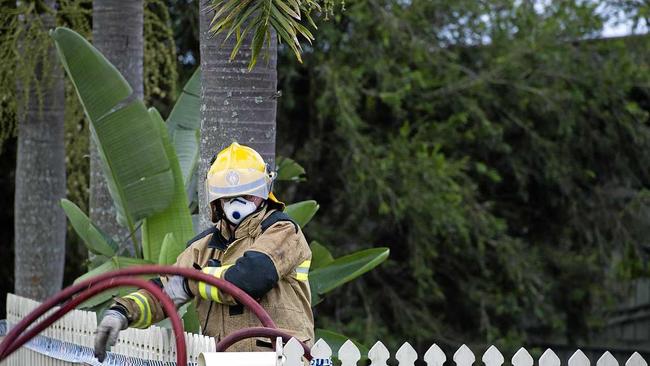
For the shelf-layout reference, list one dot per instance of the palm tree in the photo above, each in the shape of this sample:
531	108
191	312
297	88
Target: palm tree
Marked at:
236	104
118	34
40	225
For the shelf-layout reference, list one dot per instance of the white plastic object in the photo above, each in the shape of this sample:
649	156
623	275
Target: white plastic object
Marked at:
244	358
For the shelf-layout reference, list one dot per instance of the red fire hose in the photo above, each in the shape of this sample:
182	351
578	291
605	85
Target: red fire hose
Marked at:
91	287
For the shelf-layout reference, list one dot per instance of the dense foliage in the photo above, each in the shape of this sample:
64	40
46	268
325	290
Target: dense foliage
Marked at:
495	147
160	78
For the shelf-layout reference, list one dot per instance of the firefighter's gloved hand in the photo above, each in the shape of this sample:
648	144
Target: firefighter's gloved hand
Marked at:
107	331
176	289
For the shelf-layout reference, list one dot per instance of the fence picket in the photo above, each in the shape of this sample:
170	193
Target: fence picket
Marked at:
406	355
293	353
607	360
464	356
522	358
549	358
378	354
434	356
349	354
493	357
321	349
636	360
579	359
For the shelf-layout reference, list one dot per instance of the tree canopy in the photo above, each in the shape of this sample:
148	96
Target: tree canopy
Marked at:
497	147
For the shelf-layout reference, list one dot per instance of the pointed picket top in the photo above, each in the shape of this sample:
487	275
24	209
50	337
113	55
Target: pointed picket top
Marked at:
293	352
464	356
321	349
607	360
492	357
522	358
406	355
349	354
578	359
378	354
549	358
636	360
434	356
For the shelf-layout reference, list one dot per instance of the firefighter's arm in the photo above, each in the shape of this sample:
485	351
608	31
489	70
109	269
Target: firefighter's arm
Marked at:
142	309
275	254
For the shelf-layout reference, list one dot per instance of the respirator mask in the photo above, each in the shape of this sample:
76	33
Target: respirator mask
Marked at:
237	209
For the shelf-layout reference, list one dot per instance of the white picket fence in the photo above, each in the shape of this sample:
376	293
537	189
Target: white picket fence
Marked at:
349	355
77	328
69	342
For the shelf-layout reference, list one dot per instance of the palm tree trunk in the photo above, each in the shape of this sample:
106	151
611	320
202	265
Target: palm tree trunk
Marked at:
118	34
236	105
40	225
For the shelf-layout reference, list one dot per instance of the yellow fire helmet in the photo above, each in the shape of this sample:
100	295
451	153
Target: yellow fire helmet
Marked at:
239	170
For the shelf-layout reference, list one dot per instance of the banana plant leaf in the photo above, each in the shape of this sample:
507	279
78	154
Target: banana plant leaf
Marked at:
97	261
344	269
320	256
137	170
336	340
174	219
113	264
170	250
93	237
190	319
183	125
288	169
302	212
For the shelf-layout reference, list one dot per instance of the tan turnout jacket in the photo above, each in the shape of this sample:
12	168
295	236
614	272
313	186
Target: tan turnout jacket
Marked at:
287	302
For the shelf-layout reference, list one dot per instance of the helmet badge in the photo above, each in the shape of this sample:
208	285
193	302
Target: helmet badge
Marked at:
232	177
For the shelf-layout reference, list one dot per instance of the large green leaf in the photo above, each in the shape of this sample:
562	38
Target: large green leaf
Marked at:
113	264
336	340
302	212
183	125
190	319
96	261
137	170
320	256
170	250
344	269
174	219
95	239
289	170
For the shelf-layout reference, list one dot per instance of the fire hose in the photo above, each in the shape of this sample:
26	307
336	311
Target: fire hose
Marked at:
74	295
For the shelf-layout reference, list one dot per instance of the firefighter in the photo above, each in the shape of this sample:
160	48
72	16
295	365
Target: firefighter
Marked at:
252	244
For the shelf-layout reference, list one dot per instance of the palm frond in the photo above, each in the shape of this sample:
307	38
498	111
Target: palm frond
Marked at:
241	17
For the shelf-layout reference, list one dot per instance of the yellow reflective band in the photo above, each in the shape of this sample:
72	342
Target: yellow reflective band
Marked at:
144	320
302	271
203	287
219	274
208	291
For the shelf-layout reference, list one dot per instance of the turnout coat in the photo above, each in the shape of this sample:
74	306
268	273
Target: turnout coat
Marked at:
267	256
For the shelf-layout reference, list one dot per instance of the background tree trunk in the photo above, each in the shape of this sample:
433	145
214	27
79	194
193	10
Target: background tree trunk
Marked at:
40	225
118	34
236	105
